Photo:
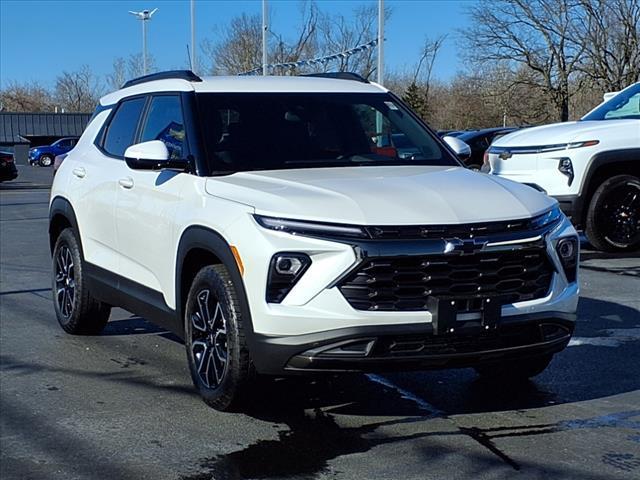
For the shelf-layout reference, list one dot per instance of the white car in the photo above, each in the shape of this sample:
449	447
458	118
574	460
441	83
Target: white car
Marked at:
260	219
592	167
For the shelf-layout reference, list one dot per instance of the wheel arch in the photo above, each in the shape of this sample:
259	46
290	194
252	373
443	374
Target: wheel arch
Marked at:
61	216
605	165
200	246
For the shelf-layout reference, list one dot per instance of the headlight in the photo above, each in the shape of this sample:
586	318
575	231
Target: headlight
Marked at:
311	229
547	219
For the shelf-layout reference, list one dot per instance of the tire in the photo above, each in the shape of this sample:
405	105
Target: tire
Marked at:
215	340
77	311
45	160
515	370
613	217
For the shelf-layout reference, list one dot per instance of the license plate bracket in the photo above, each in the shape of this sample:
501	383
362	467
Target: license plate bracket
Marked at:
444	314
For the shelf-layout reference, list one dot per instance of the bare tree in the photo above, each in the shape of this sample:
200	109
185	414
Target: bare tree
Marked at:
135	65
339	33
611	33
417	95
539	34
31	97
239	47
118	76
78	91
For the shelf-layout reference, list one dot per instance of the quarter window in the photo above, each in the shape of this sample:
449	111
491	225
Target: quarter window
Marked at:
122	129
165	123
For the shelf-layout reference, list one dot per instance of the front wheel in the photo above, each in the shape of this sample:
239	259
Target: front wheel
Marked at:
514	370
216	345
46	161
613	218
76	310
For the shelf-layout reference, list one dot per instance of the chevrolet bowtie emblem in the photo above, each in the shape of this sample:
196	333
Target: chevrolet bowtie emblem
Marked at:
506	155
456	246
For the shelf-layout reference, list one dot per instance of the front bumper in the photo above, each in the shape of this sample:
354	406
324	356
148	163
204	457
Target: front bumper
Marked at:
573	207
413	347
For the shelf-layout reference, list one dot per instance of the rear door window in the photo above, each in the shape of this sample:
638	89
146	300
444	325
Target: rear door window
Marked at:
122	128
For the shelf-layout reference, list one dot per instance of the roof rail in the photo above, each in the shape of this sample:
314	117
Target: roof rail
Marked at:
169	74
338	75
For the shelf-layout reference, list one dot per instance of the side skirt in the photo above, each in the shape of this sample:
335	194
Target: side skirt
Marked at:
121	292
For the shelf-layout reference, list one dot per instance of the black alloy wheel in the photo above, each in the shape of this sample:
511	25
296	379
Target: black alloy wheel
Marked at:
613	219
77	310
65	284
209	339
215	340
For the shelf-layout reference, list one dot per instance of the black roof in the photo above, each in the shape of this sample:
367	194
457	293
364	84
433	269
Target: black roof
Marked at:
18	127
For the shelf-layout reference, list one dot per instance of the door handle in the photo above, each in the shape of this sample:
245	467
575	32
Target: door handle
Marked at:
126	182
79	172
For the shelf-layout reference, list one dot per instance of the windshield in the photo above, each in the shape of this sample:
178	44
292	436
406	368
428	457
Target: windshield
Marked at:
271	131
625	105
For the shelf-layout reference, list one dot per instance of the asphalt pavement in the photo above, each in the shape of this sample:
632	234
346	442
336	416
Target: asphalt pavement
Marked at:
121	404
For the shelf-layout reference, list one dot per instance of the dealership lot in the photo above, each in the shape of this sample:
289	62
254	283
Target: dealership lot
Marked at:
121	404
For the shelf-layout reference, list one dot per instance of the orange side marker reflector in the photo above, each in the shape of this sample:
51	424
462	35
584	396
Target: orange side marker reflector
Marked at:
236	255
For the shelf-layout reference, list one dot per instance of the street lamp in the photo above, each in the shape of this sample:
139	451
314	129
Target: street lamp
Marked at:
144	16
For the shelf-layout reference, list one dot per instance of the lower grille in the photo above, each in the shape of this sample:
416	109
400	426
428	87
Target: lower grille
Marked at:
405	283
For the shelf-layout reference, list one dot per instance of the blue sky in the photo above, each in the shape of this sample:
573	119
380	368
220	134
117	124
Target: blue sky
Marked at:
40	39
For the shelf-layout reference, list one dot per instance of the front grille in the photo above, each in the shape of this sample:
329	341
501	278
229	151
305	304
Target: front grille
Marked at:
405	283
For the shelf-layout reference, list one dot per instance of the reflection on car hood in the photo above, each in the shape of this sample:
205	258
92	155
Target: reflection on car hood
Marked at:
382	195
559	133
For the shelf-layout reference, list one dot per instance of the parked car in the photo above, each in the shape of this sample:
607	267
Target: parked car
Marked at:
256	219
8	170
592	167
479	141
45	155
450	133
58	161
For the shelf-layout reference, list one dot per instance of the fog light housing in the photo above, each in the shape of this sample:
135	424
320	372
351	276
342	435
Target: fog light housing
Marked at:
284	272
566	168
567	249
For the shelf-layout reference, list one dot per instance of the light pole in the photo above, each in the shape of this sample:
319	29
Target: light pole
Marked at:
193	35
265	27
144	16
380	41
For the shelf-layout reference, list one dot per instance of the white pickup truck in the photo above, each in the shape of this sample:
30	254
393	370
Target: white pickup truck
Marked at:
592	167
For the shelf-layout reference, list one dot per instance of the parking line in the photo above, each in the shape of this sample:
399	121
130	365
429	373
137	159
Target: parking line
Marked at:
422	404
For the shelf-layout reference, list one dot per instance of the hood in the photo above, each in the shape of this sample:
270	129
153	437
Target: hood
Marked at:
558	133
400	195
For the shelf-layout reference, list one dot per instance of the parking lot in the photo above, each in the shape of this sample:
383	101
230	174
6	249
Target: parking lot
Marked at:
121	404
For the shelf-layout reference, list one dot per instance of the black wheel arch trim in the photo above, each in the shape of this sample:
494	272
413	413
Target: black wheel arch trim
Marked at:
204	238
62	206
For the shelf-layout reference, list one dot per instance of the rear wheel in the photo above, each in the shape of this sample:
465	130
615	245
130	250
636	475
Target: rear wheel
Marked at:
613	218
77	311
518	369
216	346
46	160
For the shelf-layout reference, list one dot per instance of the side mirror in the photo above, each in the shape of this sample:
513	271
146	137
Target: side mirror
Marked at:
462	150
152	155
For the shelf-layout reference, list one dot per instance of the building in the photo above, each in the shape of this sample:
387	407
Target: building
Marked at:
22	131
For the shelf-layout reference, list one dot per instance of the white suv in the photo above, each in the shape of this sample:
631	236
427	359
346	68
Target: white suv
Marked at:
267	222
592	167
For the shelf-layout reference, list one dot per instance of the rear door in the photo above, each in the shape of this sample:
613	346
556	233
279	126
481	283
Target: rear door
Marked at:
94	183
